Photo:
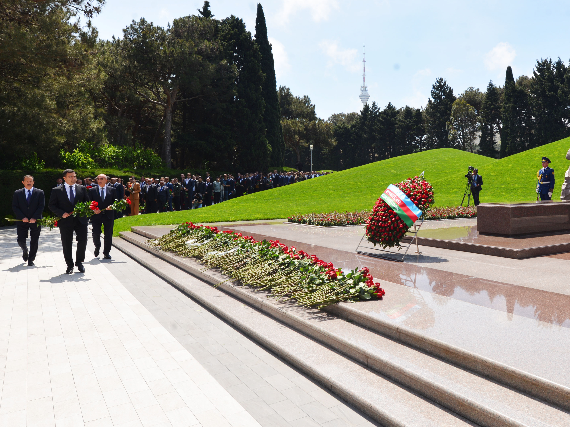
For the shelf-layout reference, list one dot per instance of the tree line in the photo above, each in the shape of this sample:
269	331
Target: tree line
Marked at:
202	93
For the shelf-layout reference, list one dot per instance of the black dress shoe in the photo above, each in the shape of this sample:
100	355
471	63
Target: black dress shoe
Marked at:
31	263
25	254
69	270
96	252
106	256
80	267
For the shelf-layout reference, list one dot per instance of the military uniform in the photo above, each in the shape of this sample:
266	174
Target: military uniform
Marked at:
545	184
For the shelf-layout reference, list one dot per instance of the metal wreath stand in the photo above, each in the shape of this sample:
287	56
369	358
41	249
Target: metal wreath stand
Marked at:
393	255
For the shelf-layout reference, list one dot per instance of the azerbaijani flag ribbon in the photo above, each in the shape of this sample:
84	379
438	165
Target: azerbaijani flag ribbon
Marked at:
401	204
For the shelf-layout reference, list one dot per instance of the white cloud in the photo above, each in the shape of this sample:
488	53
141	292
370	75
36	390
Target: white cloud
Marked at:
500	57
420	82
345	57
320	9
282	65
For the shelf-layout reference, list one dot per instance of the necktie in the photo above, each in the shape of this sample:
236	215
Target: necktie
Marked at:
102	194
29	196
71	197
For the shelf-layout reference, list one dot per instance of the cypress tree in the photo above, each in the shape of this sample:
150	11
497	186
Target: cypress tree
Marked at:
490	121
437	114
252	151
272	114
388	122
509	115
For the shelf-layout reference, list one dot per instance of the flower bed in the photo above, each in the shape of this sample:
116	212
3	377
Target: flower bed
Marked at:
451	212
360	217
332	218
288	273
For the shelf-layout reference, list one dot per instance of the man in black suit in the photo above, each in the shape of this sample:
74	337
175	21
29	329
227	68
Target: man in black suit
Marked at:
120	193
476	183
62	201
151	197
28	205
105	196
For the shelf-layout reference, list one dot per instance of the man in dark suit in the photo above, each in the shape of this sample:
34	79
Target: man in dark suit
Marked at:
151	197
104	217
28	204
62	201
476	183
120	193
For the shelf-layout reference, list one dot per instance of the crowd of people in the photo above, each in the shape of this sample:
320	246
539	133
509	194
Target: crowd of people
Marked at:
164	194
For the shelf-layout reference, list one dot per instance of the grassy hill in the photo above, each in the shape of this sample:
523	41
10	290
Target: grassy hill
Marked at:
512	179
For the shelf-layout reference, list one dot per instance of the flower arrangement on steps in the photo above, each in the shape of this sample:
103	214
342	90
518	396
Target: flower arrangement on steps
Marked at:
384	227
286	272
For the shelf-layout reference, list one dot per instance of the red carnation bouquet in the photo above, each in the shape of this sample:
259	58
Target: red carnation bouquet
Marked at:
86	209
384	227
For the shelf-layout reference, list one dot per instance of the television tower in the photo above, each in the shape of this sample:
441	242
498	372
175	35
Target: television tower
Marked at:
364	97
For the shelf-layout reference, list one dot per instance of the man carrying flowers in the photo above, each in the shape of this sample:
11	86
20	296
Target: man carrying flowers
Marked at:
104	215
62	202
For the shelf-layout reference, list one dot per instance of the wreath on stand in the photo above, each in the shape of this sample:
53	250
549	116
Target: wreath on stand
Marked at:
392	215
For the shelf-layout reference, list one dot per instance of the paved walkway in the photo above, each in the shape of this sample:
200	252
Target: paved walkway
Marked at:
118	346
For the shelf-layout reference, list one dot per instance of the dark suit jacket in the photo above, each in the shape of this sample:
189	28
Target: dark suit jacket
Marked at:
477	181
151	193
110	196
59	204
120	190
34	209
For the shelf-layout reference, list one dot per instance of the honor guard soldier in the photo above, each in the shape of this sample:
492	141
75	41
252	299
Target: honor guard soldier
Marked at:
545	185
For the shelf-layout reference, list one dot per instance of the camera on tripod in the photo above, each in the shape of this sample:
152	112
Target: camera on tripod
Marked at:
467	193
469	174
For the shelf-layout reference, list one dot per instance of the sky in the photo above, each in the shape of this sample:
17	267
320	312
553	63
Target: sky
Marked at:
318	45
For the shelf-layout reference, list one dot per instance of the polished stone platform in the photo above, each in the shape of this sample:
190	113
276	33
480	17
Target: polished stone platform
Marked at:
469	239
523	218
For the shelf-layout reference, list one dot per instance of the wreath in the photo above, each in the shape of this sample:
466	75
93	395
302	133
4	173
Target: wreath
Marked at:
384	226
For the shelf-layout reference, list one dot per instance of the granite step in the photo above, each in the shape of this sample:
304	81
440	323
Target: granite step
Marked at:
470	395
383	400
500	371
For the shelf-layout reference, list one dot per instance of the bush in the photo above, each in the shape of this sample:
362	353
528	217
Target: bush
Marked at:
76	160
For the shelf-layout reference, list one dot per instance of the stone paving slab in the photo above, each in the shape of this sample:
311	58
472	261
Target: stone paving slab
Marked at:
81	350
232	381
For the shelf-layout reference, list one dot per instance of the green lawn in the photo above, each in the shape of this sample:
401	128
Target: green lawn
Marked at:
512	179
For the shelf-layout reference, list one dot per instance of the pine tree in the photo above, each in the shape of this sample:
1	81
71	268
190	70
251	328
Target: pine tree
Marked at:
272	114
205	12
490	121
547	108
437	114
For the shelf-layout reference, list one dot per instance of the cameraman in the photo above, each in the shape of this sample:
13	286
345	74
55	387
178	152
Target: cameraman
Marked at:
476	183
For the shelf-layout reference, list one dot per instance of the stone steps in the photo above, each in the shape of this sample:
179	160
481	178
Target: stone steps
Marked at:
361	365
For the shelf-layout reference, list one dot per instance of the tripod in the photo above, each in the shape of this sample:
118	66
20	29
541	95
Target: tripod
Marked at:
467	193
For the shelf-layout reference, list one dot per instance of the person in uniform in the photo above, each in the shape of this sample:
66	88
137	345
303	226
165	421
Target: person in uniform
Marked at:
28	205
476	183
545	185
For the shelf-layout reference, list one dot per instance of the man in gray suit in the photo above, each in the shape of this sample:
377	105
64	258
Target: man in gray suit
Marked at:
28	205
